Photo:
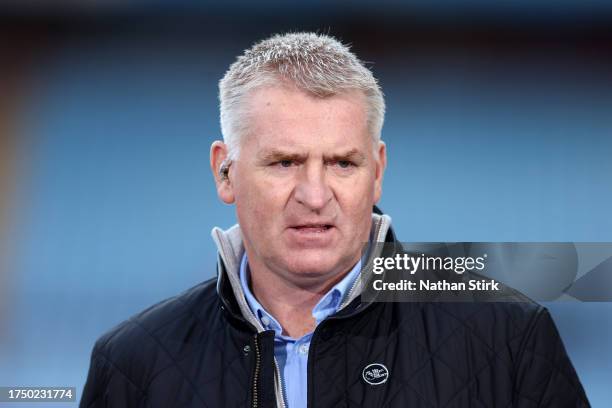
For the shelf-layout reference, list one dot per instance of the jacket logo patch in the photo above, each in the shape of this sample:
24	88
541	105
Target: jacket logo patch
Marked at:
375	374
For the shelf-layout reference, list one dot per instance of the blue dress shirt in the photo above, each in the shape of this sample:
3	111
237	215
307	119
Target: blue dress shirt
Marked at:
292	354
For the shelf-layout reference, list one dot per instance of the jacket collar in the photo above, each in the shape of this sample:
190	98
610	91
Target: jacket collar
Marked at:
231	248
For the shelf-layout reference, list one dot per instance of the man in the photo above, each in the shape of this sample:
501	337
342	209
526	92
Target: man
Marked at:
284	324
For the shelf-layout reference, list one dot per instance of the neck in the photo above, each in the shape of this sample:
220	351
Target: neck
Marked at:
290	303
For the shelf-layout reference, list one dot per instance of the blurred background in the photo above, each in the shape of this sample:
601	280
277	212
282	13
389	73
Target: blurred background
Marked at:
499	128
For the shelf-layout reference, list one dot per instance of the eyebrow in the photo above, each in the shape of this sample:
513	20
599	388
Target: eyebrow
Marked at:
274	155
352	155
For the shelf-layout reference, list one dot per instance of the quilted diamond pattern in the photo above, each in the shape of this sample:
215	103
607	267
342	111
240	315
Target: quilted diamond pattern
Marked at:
189	351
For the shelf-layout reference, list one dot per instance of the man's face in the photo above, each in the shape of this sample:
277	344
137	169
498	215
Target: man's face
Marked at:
305	182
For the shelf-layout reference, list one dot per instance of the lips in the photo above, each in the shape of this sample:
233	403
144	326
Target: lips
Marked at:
313	228
315	234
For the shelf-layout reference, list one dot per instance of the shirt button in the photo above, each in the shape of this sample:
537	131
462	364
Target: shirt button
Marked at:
303	349
265	320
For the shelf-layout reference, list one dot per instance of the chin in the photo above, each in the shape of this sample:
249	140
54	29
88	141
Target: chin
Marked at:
314	262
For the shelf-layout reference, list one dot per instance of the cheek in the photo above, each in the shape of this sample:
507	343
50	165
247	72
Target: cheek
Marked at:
260	201
358	196
356	205
251	207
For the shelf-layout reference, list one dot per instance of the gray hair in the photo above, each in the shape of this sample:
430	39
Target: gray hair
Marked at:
315	63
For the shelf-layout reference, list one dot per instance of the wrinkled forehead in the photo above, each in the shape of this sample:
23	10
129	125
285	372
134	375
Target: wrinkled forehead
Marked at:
290	116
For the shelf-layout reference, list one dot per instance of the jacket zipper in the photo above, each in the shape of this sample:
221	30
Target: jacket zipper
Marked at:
309	375
280	384
256	374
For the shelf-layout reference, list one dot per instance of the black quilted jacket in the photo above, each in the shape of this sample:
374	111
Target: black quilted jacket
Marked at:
196	350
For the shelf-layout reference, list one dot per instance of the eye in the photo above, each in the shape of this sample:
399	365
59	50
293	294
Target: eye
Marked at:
283	164
343	164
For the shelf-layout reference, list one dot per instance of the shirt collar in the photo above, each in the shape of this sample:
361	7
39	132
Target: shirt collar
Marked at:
327	305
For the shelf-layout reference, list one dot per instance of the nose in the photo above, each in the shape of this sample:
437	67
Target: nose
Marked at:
312	189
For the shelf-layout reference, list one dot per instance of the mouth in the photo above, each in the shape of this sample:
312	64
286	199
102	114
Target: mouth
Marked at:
312	228
312	235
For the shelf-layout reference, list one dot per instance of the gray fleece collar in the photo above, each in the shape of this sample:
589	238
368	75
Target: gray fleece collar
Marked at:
230	247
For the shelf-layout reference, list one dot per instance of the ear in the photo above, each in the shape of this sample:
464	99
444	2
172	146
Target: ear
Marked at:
381	165
218	162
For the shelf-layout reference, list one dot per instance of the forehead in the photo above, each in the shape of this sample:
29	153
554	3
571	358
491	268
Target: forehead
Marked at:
288	116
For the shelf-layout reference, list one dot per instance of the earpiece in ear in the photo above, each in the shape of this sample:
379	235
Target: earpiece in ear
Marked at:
224	169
